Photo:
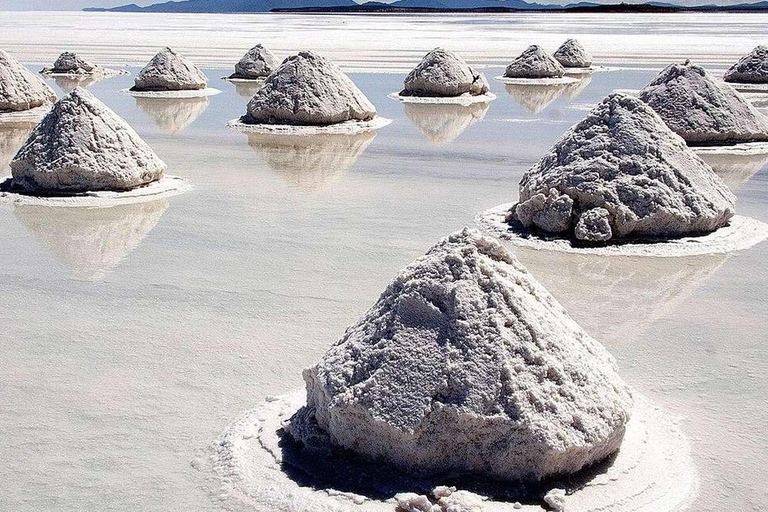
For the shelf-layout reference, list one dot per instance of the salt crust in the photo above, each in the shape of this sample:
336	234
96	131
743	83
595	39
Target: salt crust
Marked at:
464	99
244	80
742	87
589	70
743	148
741	233
187	93
255	466
33	114
537	81
345	128
167	186
98	73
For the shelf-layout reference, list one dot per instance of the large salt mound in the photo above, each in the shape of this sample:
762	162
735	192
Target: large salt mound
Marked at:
702	111
169	71
443	73
467	365
572	55
534	62
308	89
257	63
82	145
622	172
71	63
751	69
20	89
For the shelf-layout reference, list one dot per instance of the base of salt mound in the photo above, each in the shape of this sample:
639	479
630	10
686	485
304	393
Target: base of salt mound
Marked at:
167	186
99	73
741	233
742	148
464	99
584	71
745	87
259	467
238	80
345	128
187	93
537	81
33	114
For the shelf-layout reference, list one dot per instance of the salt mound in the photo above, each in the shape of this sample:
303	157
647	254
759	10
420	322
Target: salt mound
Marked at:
308	89
534	62
169	71
621	172
751	69
572	55
20	89
257	63
444	73
71	63
702	111
82	145
467	365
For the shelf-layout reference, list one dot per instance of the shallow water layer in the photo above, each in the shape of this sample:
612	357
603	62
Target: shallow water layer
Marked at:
131	337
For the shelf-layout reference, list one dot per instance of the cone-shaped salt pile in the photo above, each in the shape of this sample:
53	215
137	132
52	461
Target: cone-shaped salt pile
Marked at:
69	62
169	71
81	145
620	172
751	69
466	364
572	55
534	62
700	110
308	89
443	73
20	89
257	63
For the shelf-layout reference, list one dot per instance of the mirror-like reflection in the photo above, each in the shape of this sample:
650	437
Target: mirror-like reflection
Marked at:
735	170
310	163
173	115
573	90
12	136
536	98
248	89
91	241
442	123
69	83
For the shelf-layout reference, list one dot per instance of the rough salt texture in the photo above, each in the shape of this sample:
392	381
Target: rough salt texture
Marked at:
535	62
467	365
443	73
572	55
622	158
556	500
702	111
81	145
20	89
751	69
258	62
69	62
308	89
169	71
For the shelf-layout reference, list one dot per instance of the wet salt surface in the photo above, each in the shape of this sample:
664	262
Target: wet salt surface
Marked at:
132	337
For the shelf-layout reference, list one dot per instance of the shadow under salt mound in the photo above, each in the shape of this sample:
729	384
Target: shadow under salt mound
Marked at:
441	123
12	136
310	162
91	241
173	115
735	170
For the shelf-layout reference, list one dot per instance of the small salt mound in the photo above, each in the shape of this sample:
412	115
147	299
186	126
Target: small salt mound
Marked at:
308	89
71	63
751	69
170	71
467	365
702	111
82	145
257	63
535	62
20	89
572	55
443	73
622	172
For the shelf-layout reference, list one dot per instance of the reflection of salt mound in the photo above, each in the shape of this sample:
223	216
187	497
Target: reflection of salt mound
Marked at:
311	90
20	89
751	69
574	89
12	136
442	123
70	83
621	172
248	89
492	376
535	98
258	62
735	170
443	73
172	115
700	110
80	146
535	62
170	71
572	55
91	241
310	163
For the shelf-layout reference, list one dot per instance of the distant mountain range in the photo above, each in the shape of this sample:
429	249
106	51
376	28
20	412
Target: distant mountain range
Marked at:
402	6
